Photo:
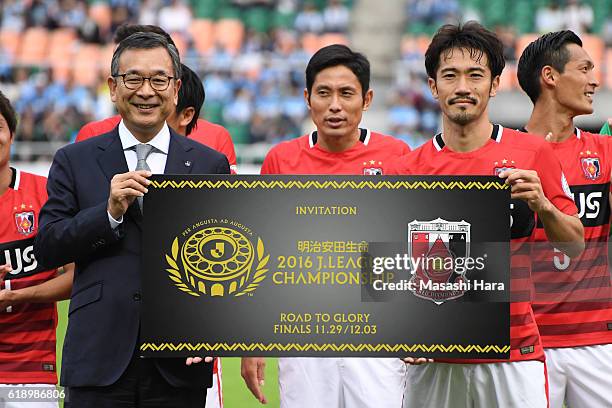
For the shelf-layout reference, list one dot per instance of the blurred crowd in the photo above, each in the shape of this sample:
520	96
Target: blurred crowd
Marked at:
255	89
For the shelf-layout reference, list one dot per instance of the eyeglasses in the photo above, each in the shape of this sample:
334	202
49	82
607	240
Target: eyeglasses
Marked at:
133	82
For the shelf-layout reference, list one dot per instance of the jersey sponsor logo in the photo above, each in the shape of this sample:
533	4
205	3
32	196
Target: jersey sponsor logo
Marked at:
589	204
437	241
372	168
560	260
20	255
592	203
25	222
591	167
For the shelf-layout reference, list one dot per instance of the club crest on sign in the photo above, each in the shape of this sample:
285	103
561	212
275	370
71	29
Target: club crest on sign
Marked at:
590	167
25	222
438	244
217	258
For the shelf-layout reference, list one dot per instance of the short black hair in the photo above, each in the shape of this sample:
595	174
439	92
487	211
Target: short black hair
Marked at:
7	111
471	36
550	49
334	55
146	40
191	93
125	30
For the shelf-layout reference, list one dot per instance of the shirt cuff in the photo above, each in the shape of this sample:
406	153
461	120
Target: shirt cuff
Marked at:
113	222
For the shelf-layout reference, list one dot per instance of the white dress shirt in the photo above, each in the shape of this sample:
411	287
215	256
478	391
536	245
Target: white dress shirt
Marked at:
156	160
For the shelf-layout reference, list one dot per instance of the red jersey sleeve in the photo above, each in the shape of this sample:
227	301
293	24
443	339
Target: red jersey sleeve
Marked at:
85	132
398	165
270	164
227	148
404	148
607	140
554	183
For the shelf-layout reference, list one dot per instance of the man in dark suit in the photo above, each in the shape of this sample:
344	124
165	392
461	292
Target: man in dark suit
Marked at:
94	217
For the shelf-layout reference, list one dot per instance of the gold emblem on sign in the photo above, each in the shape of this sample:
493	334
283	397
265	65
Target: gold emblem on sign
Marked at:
217	261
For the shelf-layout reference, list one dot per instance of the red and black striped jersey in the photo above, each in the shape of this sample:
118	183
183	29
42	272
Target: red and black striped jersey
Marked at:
370	156
505	149
573	305
27	343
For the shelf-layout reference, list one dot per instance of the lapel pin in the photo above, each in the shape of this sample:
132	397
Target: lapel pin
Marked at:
188	163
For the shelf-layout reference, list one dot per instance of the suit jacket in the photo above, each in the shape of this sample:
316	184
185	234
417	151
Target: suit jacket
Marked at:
104	314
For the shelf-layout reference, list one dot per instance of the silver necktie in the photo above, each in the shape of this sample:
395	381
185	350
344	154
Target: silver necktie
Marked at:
142	152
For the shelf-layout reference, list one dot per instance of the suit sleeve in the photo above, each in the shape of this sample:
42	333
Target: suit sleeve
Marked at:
554	183
223	167
66	232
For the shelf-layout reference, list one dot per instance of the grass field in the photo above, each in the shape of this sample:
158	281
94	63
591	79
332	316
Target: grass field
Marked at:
235	393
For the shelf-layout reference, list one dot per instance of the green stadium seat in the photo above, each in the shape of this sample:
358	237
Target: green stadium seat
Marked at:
602	10
205	9
240	132
495	12
523	16
283	20
258	19
229	12
213	111
322	3
473	4
416	28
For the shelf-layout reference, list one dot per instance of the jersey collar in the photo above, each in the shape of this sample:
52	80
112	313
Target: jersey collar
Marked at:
364	137
15	179
577	131
496	135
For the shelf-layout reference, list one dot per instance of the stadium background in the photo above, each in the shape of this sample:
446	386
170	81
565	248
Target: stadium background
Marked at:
251	54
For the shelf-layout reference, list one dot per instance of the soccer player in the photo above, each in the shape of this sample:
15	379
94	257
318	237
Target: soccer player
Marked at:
573	305
189	105
28	291
337	92
464	64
